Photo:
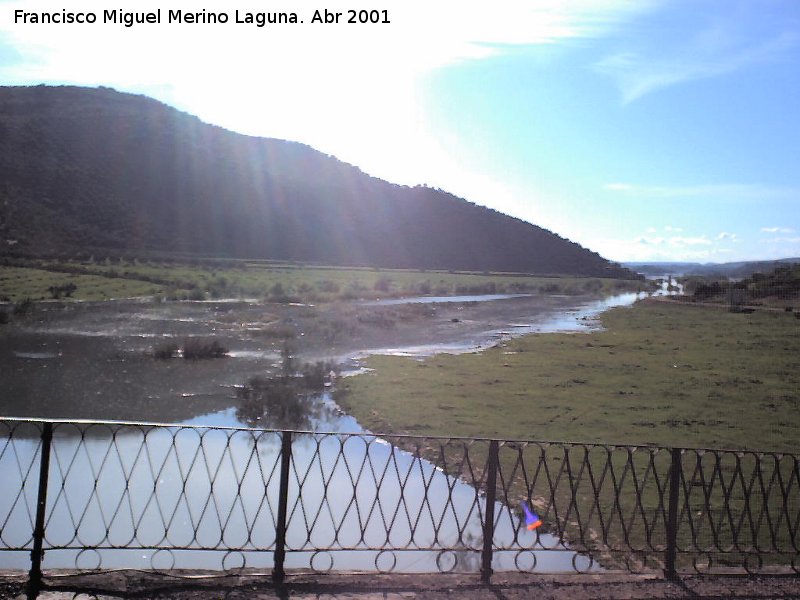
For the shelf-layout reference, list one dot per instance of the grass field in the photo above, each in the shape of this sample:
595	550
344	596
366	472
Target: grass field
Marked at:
270	281
18	283
660	373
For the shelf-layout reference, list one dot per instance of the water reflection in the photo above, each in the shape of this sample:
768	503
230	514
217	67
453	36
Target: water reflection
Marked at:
277	404
215	489
444	299
198	497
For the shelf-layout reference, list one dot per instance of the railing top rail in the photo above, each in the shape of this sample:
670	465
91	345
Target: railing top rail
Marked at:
607	445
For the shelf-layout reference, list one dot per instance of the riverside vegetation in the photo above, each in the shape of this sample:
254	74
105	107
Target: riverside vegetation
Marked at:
90	278
659	373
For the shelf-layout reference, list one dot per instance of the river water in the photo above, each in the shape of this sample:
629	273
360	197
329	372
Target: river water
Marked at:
88	362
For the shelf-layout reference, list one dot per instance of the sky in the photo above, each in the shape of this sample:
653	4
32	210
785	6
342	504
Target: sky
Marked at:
644	130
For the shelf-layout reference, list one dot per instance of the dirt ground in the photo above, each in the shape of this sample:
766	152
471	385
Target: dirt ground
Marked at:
354	329
512	586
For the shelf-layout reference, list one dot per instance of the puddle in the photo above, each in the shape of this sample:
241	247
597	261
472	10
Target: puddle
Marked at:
37	355
444	299
254	354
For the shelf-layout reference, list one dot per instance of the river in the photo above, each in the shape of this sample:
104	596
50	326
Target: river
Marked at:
90	361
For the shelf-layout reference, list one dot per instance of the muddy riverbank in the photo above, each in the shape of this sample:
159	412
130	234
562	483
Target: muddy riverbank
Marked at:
96	360
505	586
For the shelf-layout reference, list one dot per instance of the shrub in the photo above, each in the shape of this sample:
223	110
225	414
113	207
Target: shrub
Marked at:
279	331
198	348
705	291
280	295
594	285
305	288
23	307
314	375
56	291
550	288
4	318
288	362
165	350
327	286
384	284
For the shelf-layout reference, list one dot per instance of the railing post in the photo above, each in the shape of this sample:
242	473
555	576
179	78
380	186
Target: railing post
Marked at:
278	573
672	515
488	524
35	574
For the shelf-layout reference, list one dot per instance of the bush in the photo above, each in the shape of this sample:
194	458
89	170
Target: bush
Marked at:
384	284
705	291
314	375
328	287
279	331
165	350
595	285
550	288
198	348
56	291
4	318
23	307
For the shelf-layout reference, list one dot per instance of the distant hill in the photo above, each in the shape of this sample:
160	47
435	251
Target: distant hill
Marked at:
731	270
94	168
778	286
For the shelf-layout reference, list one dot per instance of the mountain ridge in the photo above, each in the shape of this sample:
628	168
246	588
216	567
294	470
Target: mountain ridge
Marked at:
734	269
94	167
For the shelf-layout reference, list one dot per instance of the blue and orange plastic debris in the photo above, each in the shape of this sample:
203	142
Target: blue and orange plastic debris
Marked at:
532	520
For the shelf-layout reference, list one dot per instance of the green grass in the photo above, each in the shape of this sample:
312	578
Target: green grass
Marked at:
18	283
662	374
270	281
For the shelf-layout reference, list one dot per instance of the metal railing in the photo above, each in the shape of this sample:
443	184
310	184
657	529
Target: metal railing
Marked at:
92	495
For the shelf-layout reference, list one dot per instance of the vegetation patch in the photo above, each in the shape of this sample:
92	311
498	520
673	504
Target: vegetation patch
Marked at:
37	283
192	349
729	380
286	400
661	373
778	288
197	348
103	278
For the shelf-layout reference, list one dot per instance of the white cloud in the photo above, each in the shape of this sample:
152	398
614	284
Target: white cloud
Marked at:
674	241
718	49
726	235
643	248
421	36
680	242
777	230
650	241
343	89
730	191
673	229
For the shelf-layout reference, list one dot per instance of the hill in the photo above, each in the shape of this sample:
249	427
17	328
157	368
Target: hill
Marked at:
779	287
732	270
94	168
